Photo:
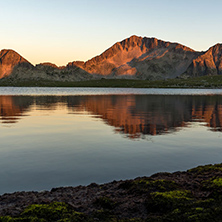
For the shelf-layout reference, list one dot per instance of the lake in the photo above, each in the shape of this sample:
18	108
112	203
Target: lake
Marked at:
52	137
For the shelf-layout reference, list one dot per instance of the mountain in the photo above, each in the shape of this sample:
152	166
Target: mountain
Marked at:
144	58
11	60
14	67
209	63
132	58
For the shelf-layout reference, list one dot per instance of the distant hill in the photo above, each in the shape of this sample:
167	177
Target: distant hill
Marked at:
132	58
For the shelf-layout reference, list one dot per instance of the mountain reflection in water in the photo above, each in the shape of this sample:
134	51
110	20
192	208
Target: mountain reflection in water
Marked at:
132	115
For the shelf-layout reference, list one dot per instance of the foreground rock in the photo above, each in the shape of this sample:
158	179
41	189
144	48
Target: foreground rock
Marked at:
194	195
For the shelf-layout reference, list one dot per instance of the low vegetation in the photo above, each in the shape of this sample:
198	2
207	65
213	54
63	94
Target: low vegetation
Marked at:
195	195
197	82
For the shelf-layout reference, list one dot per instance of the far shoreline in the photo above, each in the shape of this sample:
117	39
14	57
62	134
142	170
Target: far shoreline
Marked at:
203	82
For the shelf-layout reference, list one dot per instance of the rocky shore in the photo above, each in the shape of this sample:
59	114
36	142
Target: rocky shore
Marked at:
194	195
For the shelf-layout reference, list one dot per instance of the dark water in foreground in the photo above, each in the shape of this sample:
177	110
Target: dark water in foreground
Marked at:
51	141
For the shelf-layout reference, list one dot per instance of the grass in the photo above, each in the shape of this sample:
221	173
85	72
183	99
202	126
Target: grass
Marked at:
197	82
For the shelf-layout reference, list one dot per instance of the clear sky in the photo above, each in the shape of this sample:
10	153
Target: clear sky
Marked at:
61	31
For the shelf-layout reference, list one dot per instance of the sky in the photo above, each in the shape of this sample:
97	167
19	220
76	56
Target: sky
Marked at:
62	31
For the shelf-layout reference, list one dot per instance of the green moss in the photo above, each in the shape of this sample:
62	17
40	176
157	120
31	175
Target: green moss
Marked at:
155	218
6	219
103	215
206	169
158	185
214	185
144	185
189	209
61	212
176	194
202	210
52	212
199	209
107	216
168	201
105	203
165	200
207	203
21	219
195	214
217	182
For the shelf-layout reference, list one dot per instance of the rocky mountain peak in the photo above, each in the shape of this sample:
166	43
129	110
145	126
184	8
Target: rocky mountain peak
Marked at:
136	55
217	50
9	59
208	63
11	56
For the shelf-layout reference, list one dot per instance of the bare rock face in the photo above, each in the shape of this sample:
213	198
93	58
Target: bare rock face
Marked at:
209	63
134	58
10	61
144	58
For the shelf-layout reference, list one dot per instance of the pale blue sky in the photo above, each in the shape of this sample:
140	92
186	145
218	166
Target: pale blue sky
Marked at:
61	31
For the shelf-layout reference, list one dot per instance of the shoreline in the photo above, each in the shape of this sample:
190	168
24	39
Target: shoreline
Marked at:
160	196
203	82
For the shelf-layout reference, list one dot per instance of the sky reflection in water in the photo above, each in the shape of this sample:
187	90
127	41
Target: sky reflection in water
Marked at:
51	141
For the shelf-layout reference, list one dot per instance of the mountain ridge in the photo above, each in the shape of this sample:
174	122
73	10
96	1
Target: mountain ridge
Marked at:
132	58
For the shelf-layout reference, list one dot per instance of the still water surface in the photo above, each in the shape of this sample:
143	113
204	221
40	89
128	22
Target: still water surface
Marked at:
79	136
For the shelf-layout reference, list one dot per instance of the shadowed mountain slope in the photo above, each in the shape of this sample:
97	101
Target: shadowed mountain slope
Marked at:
16	68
